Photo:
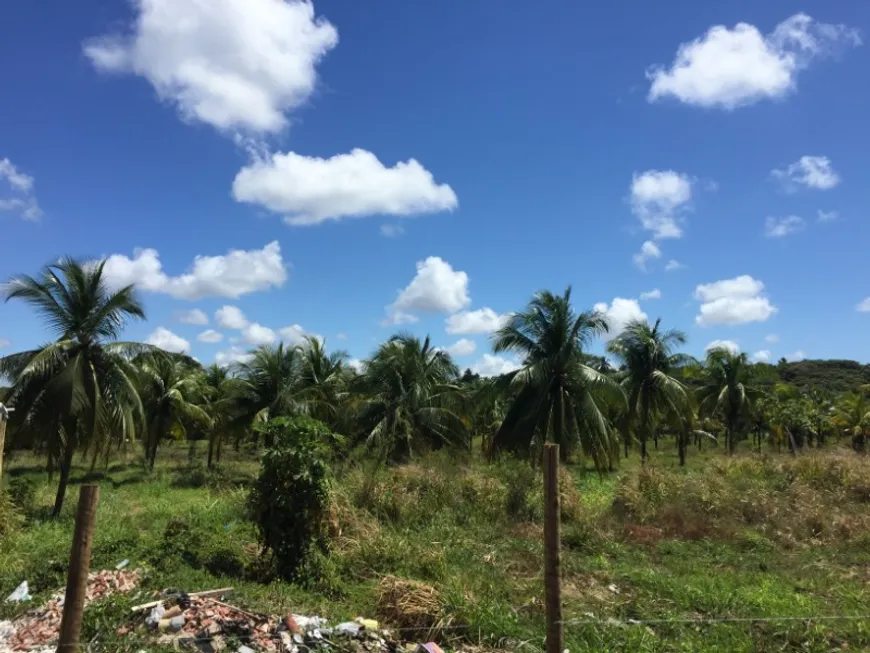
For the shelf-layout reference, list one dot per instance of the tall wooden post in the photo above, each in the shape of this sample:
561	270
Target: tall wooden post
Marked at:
552	554
4	417
77	575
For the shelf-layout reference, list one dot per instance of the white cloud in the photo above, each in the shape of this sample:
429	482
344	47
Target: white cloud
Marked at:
4	343
392	230
462	347
828	216
727	345
619	313
356	364
233	64
482	320
236	273
658	197
341	336
491	365
796	356
230	317
780	227
19	186
257	335
193	316
310	190
294	334
437	288
168	341
762	356
396	318
210	336
651	294
733	301
674	264
731	68
772	338
809	171
232	355
864	306
648	250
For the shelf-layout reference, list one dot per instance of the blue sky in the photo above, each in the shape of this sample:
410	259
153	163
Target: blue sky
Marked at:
404	165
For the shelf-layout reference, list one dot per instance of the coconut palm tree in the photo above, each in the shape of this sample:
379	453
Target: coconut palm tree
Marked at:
852	414
221	390
556	396
172	393
728	389
410	395
270	384
648	359
74	391
323	380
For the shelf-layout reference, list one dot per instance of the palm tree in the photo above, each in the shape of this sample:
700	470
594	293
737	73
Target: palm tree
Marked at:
221	390
853	416
270	384
78	389
728	389
410	394
171	393
648	359
323	382
557	397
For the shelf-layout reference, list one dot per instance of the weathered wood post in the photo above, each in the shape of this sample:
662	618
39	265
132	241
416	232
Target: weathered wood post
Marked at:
552	554
79	566
4	417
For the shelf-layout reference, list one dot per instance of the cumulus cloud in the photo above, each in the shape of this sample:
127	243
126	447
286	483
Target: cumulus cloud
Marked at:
233	64
168	341
762	356
864	306
490	365
436	288
810	172
482	320
780	227
731	68
232	355
4	343
16	192
397	318
827	216
210	336
651	294
236	273
796	356
673	265
257	335
390	230
462	347
649	250
356	365
310	190
727	345
193	316
733	301
658	198
619	313
295	335
230	317
772	338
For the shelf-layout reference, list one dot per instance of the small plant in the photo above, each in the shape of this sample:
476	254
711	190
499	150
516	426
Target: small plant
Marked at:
10	516
291	497
22	492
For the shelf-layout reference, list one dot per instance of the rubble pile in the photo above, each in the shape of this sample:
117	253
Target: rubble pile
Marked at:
41	626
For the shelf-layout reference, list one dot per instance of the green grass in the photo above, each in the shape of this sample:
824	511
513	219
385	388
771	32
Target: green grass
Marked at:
756	537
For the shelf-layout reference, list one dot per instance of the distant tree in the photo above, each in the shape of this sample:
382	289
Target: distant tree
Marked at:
557	397
852	414
322	382
79	389
648	359
410	398
220	390
728	390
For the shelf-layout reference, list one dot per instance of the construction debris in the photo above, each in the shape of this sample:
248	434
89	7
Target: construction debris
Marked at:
41	626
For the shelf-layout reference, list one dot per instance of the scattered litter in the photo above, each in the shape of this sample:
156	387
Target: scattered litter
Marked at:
429	647
613	588
21	593
122	564
41	626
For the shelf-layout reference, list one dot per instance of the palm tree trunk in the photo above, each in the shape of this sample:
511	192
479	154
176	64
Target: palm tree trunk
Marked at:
210	450
220	442
65	469
559	426
682	442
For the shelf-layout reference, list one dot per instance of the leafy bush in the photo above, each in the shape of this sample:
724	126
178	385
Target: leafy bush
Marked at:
196	474
201	545
22	492
291	497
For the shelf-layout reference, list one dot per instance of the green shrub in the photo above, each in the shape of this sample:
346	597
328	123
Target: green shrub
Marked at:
22	492
524	486
200	545
290	499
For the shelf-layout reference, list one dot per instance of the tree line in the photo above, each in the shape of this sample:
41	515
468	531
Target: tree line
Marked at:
89	392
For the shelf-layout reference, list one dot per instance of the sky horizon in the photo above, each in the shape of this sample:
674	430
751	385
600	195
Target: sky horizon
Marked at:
263	170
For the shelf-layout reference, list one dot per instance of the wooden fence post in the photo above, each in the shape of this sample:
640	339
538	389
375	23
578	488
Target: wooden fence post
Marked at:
77	575
552	555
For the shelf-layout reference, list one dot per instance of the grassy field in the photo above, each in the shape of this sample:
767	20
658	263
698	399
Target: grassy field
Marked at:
753	537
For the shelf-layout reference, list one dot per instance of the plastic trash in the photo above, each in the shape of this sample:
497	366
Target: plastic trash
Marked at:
429	647
308	623
122	564
176	624
153	619
349	628
21	593
244	649
368	624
